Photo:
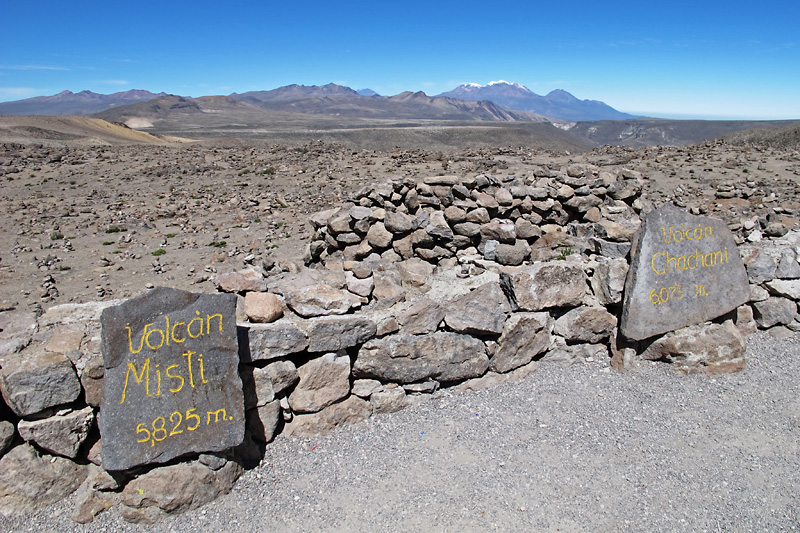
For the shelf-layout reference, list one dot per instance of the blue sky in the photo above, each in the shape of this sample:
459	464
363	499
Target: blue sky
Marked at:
705	59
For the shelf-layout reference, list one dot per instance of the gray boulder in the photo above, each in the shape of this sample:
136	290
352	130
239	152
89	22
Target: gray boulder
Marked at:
480	312
60	434
404	358
552	284
525	335
35	380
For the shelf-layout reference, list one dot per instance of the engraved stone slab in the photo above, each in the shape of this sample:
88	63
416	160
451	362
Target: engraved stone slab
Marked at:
685	270
171	382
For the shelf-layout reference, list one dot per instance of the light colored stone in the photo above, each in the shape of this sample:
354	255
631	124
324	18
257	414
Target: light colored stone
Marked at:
608	280
512	254
364	388
575	353
349	411
175	489
525	335
262	307
707	348
271	341
499	230
283	375
392	398
31	481
320	300
257	387
378	236
480	312
405	358
585	324
60	434
323	381
330	334
789	288
422	317
242	281
553	284
438	227
16	331
359	286
398	223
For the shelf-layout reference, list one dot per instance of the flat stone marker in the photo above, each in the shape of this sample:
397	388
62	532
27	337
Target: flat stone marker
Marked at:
685	270
171	383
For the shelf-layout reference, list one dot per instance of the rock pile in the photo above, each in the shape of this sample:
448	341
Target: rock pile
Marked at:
413	287
502	219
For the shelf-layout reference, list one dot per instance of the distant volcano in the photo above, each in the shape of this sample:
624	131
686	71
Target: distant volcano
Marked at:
557	104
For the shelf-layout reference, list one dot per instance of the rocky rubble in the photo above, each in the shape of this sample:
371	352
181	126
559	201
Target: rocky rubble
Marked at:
411	286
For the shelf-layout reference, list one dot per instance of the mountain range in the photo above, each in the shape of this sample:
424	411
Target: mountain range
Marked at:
495	101
558	103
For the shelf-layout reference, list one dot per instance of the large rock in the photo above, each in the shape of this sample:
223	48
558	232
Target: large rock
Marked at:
270	341
585	324
512	254
525	335
330	334
407	358
16	331
262	422
774	311
349	411
378	236
388	400
35	380
283	375
320	300
171	384
30	481
553	284
175	489
397	222
422	317
685	270
608	280
323	381
262	307
479	312
245	280
789	288
707	348
499	230
575	353
257	385
60	434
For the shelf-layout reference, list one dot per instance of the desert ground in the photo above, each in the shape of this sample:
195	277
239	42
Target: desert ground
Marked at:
90	214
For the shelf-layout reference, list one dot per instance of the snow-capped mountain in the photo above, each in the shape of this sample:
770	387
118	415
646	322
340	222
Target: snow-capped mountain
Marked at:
557	103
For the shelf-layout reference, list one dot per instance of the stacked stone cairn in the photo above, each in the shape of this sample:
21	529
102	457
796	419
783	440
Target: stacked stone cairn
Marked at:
447	282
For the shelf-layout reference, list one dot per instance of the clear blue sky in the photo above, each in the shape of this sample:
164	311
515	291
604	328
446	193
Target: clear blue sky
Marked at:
707	59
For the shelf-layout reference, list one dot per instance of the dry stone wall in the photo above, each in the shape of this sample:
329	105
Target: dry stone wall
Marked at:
449	282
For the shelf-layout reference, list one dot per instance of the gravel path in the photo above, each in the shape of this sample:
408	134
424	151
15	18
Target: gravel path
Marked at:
577	448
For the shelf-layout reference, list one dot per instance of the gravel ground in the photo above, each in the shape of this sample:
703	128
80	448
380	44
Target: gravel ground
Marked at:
577	448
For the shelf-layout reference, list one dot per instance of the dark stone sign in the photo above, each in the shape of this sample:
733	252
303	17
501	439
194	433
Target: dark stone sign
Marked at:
685	270
171	383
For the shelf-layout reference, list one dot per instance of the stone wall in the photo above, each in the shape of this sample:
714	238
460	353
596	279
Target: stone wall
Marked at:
412	287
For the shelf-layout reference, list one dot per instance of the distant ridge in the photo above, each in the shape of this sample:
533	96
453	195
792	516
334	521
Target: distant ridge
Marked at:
331	102
558	103
69	103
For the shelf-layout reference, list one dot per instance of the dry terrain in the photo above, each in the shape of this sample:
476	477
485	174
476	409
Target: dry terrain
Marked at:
96	215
